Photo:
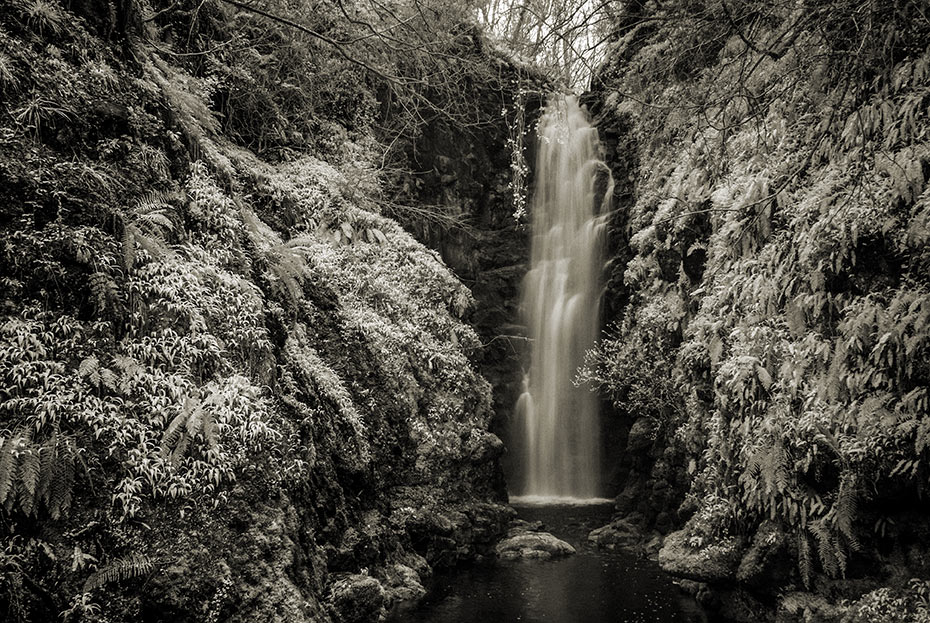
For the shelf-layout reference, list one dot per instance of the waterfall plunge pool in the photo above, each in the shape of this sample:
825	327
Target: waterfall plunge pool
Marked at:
591	586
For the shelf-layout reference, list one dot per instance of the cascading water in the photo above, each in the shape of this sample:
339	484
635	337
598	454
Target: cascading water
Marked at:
559	434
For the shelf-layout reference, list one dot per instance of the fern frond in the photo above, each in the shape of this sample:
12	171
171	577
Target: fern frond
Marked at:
103	291
128	244
62	479
151	217
846	506
175	430
127	370
158	219
127	366
29	465
782	474
125	568
153	245
90	368
804	558
303	241
194	421
287	265
108	379
46	471
178	453
209	429
827	548
153	201
33	473
8	461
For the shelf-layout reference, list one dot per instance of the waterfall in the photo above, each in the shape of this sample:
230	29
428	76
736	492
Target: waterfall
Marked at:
558	427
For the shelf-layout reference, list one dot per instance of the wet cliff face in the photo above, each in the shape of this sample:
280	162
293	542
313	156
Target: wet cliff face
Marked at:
741	260
231	388
647	476
465	173
489	251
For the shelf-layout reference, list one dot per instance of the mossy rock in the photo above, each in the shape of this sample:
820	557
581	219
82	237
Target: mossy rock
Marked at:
768	561
712	562
356	598
533	546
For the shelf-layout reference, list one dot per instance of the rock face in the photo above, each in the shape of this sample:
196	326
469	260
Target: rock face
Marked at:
468	175
533	546
403	585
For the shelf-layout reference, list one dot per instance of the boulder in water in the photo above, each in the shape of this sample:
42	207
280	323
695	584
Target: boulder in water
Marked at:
533	545
619	533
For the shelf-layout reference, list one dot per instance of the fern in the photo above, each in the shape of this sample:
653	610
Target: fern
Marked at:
34	475
125	568
154	202
104	291
287	265
46	461
845	509
28	478
152	218
193	419
804	558
8	459
128	244
90	367
832	557
61	474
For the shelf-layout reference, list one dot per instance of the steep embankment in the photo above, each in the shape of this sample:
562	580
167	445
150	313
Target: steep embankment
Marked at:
773	354
467	178
231	389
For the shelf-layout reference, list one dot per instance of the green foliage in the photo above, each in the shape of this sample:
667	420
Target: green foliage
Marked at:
125	568
908	605
33	474
152	218
637	372
43	16
180	320
786	223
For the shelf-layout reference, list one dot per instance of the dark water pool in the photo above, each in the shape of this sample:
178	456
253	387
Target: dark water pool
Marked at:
590	587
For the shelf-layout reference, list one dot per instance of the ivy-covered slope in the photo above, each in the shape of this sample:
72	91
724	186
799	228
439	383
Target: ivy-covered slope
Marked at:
777	334
229	388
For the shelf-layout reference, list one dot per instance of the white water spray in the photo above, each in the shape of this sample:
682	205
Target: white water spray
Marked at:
558	423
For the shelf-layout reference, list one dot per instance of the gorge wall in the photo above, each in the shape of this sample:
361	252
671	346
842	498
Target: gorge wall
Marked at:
232	389
467	176
767	350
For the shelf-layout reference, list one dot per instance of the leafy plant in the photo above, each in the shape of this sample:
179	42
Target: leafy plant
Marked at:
795	353
34	475
132	566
